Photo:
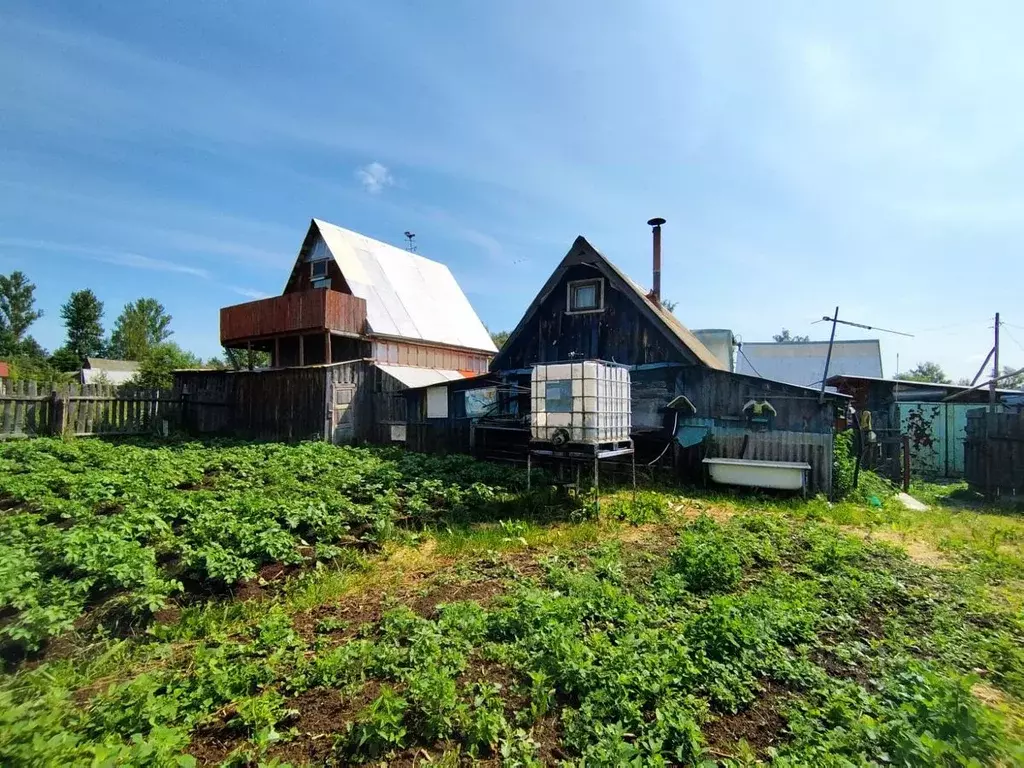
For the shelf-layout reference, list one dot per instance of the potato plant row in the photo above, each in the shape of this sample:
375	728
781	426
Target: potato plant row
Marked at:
114	530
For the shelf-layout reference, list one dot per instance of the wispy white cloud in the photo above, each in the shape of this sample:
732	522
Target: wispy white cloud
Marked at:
106	255
374	177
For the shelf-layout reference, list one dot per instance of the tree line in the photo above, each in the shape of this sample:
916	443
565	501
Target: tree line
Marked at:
141	333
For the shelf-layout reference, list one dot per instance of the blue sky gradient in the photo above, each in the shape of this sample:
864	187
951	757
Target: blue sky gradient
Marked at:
867	156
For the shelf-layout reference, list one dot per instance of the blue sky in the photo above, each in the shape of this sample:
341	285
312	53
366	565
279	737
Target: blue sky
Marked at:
867	156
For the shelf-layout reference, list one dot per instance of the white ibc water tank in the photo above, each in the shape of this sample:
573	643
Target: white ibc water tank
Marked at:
589	401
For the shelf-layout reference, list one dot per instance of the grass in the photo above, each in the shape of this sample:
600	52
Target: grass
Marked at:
685	628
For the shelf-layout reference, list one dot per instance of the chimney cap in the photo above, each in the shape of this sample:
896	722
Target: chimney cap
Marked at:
657	221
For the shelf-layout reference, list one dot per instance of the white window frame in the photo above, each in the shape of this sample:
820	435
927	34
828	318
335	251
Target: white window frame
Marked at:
570	289
312	270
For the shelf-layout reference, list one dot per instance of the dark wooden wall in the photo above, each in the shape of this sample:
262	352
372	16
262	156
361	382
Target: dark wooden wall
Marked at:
994	452
388	405
620	333
291	404
721	395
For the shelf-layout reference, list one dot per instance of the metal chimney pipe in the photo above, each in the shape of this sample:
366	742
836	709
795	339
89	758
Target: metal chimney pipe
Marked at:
656	223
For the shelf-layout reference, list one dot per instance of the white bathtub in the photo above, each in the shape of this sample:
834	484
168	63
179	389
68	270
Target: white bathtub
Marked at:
784	475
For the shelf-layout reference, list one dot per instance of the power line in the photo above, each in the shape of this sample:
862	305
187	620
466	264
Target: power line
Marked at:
973	324
740	348
1012	337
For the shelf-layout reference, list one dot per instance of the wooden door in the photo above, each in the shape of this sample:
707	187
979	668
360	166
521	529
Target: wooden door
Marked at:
343	427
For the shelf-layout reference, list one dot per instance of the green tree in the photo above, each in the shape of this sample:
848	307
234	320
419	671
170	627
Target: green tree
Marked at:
141	325
1014	382
926	372
65	360
83	319
787	336
159	363
238	360
17	313
499	338
669	304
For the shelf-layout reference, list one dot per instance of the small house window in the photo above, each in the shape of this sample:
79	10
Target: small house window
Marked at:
318	269
586	295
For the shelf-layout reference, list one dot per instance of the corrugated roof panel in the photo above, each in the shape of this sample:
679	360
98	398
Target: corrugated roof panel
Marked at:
420	377
803	362
406	294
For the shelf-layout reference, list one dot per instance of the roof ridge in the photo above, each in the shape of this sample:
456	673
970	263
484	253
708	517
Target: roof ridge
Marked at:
403	251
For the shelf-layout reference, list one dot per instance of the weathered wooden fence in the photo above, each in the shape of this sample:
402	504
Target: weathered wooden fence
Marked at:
30	409
994	452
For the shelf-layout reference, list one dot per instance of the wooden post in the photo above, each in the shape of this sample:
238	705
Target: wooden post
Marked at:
58	413
248	351
828	356
906	462
995	370
277	352
302	351
327	346
184	410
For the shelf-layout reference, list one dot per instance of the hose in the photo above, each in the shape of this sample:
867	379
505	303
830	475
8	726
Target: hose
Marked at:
675	424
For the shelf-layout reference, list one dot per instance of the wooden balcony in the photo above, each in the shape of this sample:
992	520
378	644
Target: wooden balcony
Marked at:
301	312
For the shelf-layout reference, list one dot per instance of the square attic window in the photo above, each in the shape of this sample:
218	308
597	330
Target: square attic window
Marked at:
586	295
318	269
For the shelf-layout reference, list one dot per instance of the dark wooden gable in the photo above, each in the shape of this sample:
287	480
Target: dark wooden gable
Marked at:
299	279
627	330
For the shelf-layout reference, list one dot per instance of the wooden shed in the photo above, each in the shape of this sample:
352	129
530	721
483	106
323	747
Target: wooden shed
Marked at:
686	404
315	402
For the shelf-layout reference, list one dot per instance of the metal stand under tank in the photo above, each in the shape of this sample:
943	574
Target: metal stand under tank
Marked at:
570	460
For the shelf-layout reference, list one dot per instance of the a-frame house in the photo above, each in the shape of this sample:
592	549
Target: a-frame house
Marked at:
590	309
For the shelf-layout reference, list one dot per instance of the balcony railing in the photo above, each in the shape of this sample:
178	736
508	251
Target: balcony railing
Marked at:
292	313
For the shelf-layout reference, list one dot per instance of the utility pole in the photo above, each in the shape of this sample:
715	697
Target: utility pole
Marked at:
832	338
995	370
828	356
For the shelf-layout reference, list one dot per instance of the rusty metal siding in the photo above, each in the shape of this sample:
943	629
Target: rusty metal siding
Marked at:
994	460
938	435
293	313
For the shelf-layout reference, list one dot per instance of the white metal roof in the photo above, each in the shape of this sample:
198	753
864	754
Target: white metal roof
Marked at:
420	377
110	364
406	294
106	376
803	362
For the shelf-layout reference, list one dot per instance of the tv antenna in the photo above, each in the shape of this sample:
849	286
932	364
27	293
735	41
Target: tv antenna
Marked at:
411	245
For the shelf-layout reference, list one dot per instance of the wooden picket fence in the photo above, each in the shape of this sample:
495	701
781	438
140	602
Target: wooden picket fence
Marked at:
30	409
